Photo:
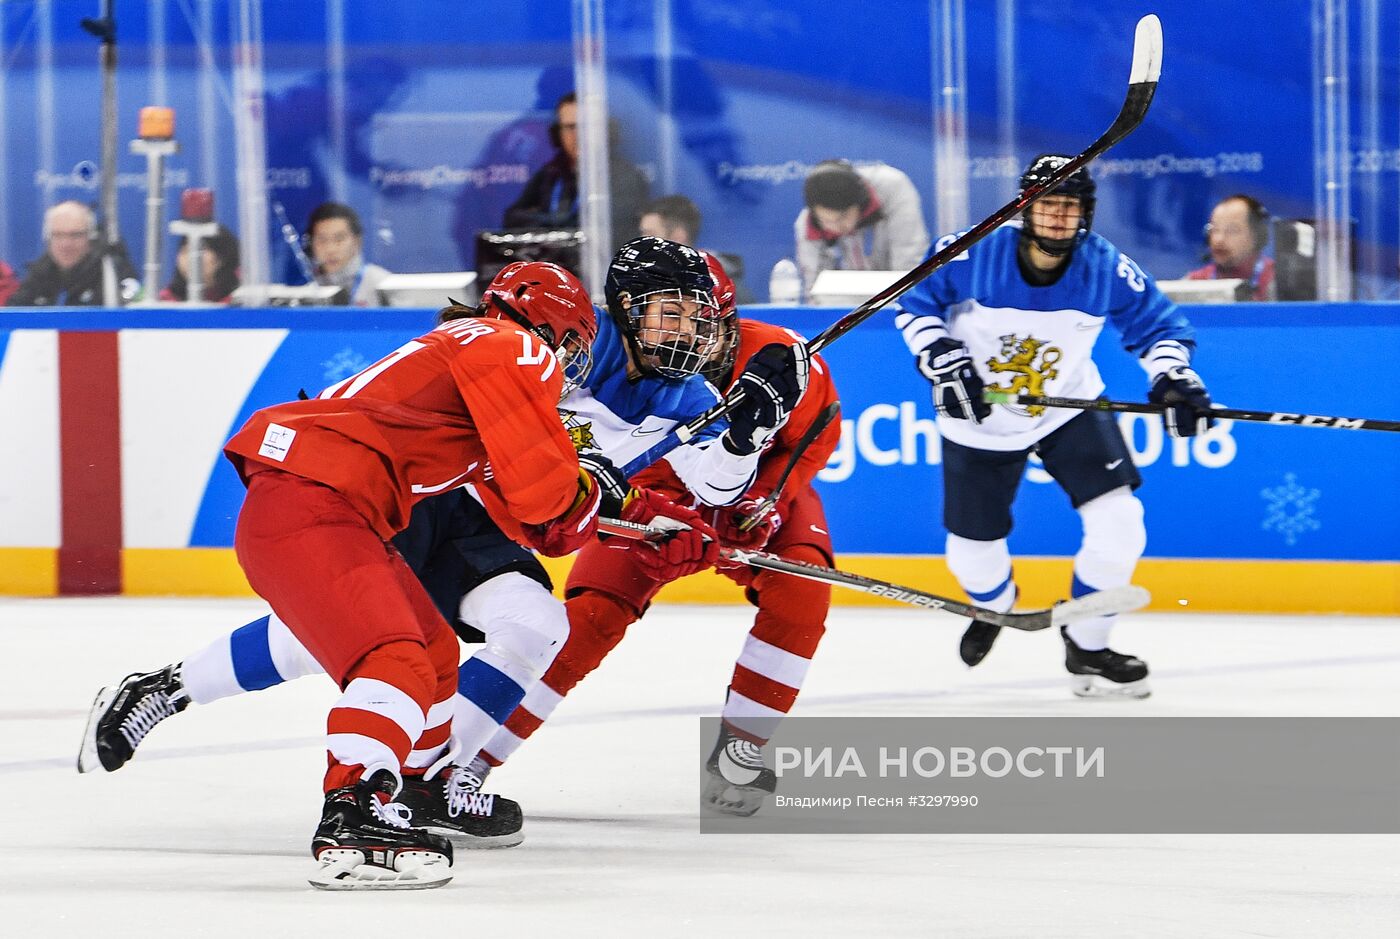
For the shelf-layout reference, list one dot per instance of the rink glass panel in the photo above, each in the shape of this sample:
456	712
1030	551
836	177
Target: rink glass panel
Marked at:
428	117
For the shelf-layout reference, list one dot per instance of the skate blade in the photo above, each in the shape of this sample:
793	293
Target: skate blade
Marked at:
726	798
88	760
346	869
461	839
1093	686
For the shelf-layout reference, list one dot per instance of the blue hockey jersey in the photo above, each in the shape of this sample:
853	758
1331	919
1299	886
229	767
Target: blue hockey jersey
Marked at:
622	418
1038	340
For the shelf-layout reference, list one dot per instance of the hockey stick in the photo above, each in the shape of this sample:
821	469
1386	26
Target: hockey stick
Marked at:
1103	603
1142	85
765	505
1234	414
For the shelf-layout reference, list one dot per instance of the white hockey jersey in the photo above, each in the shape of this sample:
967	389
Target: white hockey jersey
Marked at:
1039	340
622	419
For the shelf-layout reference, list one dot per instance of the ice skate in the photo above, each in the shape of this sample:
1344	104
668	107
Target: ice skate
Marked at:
1104	673
738	778
122	716
453	805
977	642
364	842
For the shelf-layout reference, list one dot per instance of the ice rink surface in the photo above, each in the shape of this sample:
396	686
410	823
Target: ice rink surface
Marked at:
206	832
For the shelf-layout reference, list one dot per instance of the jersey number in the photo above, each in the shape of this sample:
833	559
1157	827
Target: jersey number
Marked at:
351	386
1129	271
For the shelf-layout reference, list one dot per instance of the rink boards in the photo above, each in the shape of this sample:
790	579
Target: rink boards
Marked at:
112	480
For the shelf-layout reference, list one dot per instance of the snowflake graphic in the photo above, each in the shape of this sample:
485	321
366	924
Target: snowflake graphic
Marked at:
1290	508
343	364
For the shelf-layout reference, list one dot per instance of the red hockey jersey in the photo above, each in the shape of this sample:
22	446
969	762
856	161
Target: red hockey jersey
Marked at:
472	402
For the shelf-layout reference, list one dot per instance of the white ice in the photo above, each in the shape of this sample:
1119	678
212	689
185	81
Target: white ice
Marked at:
206	832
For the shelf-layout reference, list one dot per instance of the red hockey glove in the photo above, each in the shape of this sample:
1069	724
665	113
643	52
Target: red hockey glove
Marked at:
727	520
572	530
693	547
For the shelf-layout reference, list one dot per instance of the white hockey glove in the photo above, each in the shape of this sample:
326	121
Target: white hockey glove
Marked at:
957	388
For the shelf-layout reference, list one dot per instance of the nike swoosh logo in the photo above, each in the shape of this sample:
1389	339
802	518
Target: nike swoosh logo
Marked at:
820	531
642	432
1114	464
1087	325
420	490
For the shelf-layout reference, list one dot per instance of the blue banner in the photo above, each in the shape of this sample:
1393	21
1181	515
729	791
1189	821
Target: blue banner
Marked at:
1243	491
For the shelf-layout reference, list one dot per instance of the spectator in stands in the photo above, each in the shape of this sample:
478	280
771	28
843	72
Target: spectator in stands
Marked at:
219	274
678	219
69	272
335	244
1236	238
9	283
550	198
674	218
858	218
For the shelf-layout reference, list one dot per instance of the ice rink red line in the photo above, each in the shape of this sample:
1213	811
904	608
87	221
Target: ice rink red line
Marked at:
89	556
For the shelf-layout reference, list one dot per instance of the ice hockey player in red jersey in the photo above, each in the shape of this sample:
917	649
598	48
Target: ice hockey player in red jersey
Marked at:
608	589
331	479
477	573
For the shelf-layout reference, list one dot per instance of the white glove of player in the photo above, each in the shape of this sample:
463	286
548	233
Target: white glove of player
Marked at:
957	388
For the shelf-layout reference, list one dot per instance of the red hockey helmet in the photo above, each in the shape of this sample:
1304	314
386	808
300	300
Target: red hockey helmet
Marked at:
720	365
551	303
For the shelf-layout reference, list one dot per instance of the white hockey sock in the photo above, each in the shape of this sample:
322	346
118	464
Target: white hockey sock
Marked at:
525	628
259	655
1091	635
983	570
1114	539
488	690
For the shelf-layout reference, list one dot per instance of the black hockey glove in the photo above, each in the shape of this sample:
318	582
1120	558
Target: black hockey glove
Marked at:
957	388
772	382
614	486
1187	401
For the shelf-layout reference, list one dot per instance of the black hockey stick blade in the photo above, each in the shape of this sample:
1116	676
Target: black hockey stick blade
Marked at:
1234	414
765	506
1102	603
1142	85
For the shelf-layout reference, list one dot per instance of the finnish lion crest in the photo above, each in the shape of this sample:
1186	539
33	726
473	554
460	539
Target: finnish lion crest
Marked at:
580	432
1018	356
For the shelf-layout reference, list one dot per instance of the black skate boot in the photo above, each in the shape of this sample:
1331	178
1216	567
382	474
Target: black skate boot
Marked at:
123	715
978	638
1104	673
364	842
977	641
738	779
452	804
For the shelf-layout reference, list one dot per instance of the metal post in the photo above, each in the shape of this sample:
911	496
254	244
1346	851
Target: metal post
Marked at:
250	132
667	131
948	48
595	204
338	171
155	152
194	234
1372	164
208	116
1331	150
1006	80
105	29
4	147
